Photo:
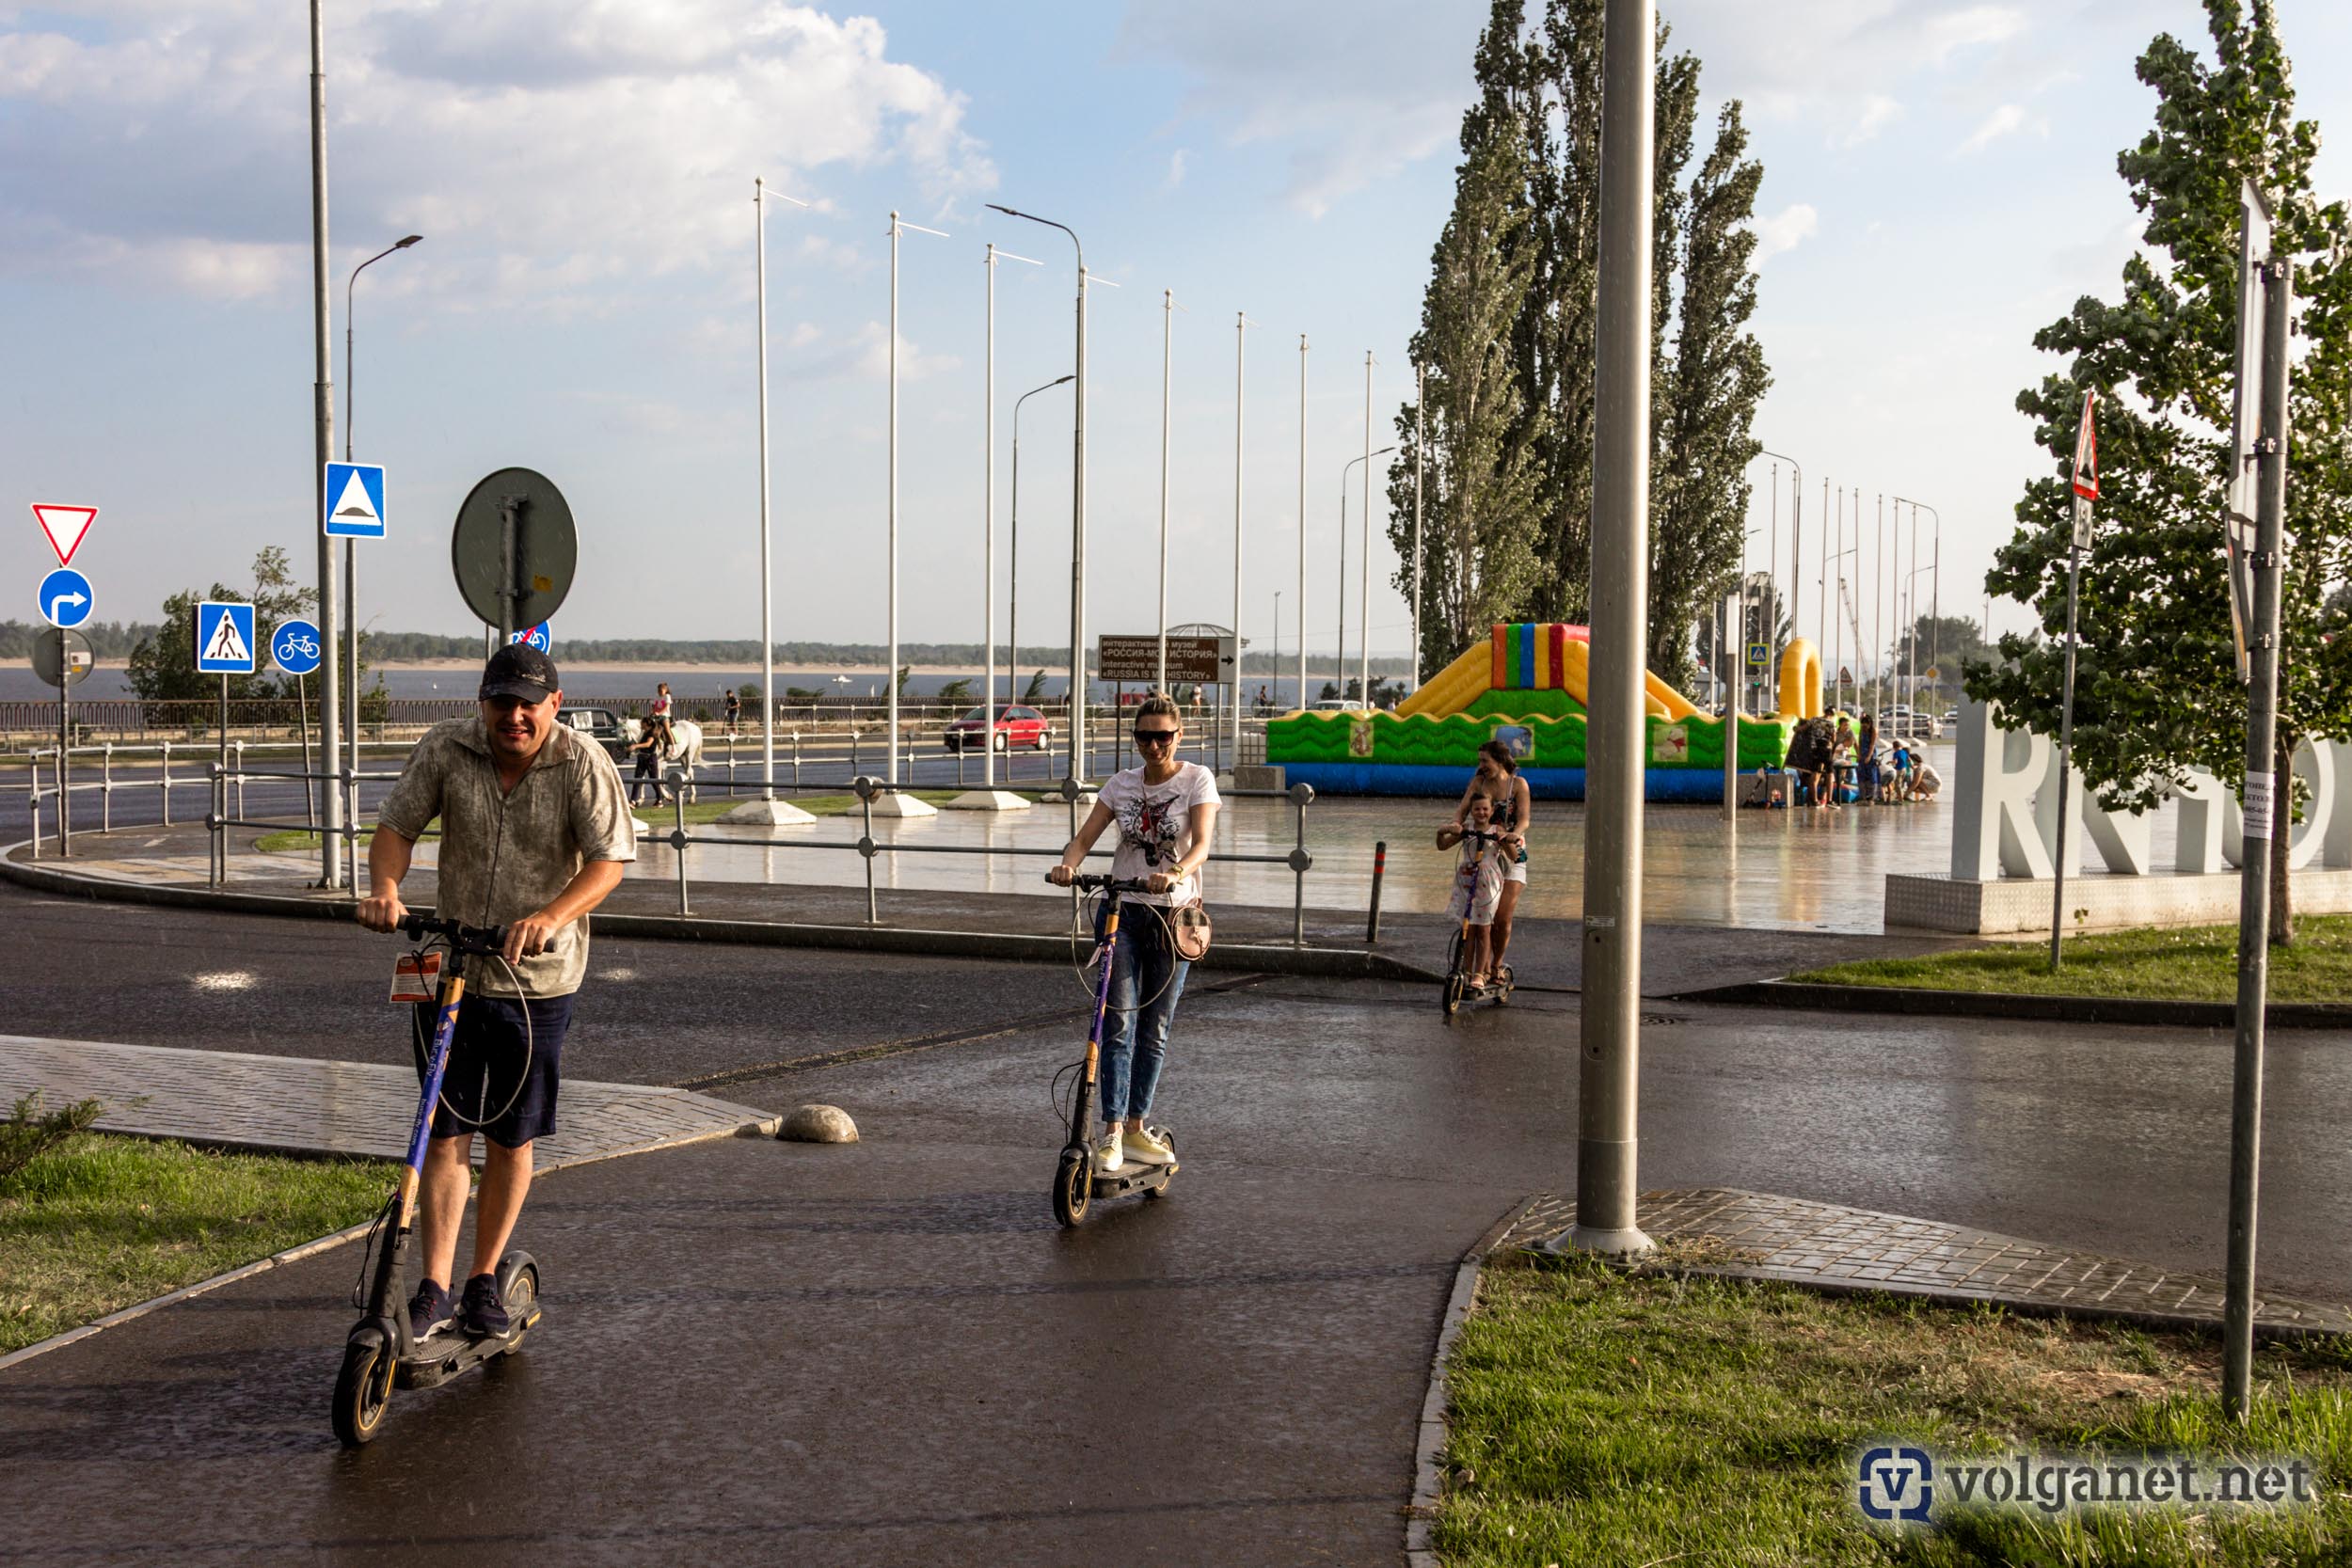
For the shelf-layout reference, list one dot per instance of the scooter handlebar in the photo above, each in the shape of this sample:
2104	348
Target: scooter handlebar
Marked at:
1108	884
479	940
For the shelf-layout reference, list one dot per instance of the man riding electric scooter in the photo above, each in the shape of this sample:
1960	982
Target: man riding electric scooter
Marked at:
534	834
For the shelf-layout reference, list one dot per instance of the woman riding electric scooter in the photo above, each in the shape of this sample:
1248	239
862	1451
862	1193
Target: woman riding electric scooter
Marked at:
1164	810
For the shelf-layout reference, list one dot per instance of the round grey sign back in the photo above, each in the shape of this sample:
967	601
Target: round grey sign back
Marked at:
546	549
61	659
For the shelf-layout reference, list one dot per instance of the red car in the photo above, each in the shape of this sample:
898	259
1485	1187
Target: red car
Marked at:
1015	726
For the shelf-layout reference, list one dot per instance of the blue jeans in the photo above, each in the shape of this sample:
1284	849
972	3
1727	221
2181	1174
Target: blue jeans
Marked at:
1134	1038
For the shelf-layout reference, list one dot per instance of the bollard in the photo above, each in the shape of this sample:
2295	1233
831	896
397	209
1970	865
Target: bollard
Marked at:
165	783
1379	869
106	788
853	738
677	836
1301	795
32	776
796	759
864	787
212	822
240	781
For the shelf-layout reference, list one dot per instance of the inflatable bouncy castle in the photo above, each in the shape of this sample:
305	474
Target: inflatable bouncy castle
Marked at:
1524	685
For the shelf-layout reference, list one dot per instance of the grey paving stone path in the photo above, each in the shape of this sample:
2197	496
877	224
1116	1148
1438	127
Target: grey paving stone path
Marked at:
1827	1244
324	1107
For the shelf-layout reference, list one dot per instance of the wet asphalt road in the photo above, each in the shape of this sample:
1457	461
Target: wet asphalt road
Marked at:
889	1351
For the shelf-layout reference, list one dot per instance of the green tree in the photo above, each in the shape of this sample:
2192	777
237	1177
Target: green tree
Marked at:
1710	392
1482	491
1945	643
957	691
2157	691
162	667
906	674
1539	94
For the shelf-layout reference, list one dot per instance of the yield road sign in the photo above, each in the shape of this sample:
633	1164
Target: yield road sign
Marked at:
354	500
223	638
65	598
538	637
65	526
296	646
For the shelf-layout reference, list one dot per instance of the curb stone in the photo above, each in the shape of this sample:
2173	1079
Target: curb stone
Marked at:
1822	997
1421	1514
1323	963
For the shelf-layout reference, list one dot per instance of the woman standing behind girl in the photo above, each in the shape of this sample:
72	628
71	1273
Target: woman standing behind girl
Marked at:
1497	779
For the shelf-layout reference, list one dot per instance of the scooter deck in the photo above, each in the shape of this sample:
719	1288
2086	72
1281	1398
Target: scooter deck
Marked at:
1133	1179
451	1353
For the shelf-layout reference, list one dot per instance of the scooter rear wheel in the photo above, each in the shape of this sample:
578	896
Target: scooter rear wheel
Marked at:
363	1390
1073	1186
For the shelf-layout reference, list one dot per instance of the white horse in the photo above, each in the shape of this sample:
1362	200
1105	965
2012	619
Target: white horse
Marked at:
686	747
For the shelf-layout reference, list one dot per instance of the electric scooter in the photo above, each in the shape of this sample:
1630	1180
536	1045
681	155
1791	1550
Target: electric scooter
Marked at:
381	1352
1076	1182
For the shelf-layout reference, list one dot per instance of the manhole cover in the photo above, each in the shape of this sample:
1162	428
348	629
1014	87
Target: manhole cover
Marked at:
1663	1018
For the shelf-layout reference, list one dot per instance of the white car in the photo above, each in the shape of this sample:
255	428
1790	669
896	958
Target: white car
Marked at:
1338	704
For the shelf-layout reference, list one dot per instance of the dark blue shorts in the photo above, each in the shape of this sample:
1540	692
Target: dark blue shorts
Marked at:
488	1067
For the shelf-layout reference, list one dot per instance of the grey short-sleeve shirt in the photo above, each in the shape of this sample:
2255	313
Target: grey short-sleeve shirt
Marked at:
506	855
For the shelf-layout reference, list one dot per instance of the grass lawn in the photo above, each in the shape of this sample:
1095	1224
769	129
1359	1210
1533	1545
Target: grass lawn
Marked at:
660	818
1606	1418
2185	964
102	1221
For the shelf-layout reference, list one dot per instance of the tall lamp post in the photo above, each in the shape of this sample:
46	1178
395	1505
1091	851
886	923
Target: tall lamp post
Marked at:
323	419
1077	509
1796	557
1363	596
1241	326
1302	519
767	537
1421	449
988	542
1012	552
1168	364
351	547
1935	586
897	805
1339	653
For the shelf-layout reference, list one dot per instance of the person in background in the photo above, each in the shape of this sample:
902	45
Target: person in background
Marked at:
649	749
735	709
1841	762
1477	885
1512	803
662	700
1868	780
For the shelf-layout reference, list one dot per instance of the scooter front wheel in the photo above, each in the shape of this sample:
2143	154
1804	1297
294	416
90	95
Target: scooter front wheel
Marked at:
363	1390
1073	1186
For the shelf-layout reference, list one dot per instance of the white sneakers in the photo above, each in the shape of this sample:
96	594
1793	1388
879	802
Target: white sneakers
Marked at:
1150	1146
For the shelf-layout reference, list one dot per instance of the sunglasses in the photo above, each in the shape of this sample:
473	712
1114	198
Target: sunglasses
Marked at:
1155	737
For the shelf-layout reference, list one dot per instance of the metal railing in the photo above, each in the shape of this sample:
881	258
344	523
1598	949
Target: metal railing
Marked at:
221	782
64	786
1299	859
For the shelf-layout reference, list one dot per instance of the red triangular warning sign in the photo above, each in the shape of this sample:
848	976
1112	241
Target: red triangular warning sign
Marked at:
2086	451
65	526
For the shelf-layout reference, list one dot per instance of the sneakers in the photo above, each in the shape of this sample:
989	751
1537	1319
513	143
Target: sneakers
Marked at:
430	1308
1148	1147
1107	1157
483	1315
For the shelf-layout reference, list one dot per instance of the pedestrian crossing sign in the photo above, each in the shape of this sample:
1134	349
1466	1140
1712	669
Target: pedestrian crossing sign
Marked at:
354	500
223	638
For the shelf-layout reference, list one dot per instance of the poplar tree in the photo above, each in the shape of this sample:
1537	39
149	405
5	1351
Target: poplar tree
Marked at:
2156	691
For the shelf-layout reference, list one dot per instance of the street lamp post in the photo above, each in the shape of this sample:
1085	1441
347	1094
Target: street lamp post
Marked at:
1241	326
1363	596
1935	588
1302	519
1339	655
351	547
1168	361
988	539
1420	447
323	419
1796	557
767	570
1077	509
899	805
1012	616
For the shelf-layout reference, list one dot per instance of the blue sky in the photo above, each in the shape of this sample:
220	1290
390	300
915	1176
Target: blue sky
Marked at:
1939	182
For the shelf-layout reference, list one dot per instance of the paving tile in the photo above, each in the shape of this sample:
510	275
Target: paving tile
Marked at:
328	1107
1826	1244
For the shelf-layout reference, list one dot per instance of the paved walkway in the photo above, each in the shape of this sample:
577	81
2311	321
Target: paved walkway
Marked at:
293	1104
1758	1236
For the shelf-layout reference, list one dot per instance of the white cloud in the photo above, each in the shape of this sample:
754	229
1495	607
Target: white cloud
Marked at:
2006	121
1878	111
1785	231
1350	93
551	151
1977	24
1175	169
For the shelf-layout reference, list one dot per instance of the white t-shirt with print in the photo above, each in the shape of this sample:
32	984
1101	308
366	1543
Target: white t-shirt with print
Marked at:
1155	825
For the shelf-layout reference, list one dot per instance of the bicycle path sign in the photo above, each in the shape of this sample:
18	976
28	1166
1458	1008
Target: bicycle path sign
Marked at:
294	646
223	638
